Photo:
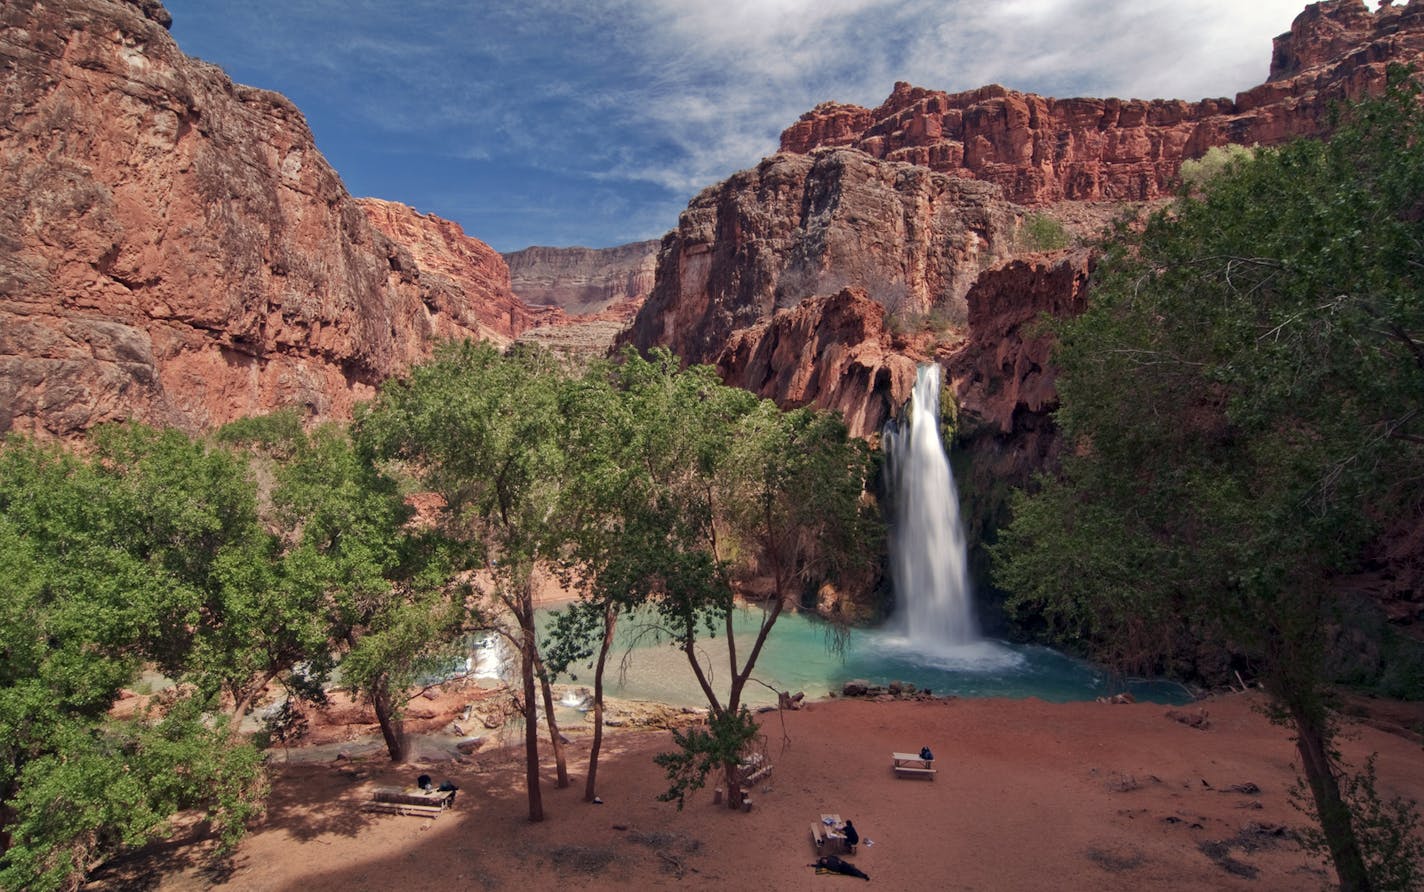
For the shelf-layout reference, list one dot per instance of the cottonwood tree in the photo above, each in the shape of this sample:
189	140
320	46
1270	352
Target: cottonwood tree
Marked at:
1243	401
377	587
106	567
224	618
479	428
730	487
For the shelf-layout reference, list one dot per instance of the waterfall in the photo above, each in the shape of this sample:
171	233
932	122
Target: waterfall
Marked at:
928	558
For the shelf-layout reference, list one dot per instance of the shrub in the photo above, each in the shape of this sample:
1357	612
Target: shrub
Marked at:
1040	232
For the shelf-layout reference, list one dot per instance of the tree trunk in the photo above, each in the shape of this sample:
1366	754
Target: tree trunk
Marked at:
560	766
531	707
392	728
733	772
1334	815
610	619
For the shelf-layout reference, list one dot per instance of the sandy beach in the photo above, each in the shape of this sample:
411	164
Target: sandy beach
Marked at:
1029	795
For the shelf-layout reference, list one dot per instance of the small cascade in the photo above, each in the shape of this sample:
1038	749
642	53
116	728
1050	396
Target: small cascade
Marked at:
928	557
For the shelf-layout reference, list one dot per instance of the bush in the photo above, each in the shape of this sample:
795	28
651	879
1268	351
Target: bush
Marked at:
1197	172
1041	232
1387	831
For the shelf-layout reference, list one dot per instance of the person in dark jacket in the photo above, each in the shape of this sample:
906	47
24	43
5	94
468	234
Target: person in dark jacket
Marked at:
836	865
852	836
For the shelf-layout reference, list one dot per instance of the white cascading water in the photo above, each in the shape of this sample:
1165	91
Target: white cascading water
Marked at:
928	557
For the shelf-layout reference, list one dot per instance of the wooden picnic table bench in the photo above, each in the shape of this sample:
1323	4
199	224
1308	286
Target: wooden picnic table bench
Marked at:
829	834
411	801
753	768
911	765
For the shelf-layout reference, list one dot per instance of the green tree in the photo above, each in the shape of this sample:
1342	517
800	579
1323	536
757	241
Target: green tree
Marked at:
89	579
1243	401
1197	172
730	487
376	588
479	428
600	440
221	616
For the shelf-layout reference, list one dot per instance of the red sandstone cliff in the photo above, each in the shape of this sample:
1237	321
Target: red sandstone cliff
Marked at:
456	265
830	352
796	225
1041	149
851	201
176	250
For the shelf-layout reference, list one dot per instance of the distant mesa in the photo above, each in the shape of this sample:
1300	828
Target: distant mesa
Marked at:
584	281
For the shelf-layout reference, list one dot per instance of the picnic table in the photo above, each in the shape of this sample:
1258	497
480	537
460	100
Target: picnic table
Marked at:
411	801
753	768
829	834
911	765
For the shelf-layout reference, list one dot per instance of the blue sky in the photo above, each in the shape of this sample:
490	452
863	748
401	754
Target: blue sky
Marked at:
593	122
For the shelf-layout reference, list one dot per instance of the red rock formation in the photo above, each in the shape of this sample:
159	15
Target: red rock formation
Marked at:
464	267
798	225
175	249
583	281
600	286
1002	373
828	352
1044	150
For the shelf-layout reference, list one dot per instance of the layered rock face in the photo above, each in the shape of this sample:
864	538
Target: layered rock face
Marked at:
176	250
1042	150
829	352
1002	371
906	201
582	281
798	225
468	278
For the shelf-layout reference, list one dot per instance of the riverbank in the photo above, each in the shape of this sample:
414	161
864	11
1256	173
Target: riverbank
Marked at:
1030	795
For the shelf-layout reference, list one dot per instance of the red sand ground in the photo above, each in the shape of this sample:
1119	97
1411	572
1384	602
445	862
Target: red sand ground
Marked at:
1030	795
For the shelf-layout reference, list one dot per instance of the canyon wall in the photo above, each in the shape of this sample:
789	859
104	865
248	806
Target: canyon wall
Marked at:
831	352
582	281
799	225
1043	150
174	249
924	199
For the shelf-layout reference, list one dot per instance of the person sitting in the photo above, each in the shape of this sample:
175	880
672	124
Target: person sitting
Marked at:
852	836
448	787
926	755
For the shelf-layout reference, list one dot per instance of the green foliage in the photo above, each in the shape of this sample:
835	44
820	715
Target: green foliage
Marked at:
1388	831
703	749
1040	232
132	556
1403	675
376	585
1243	393
118	784
1196	173
478	427
274	432
1243	404
219	614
